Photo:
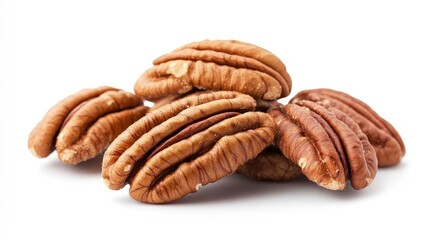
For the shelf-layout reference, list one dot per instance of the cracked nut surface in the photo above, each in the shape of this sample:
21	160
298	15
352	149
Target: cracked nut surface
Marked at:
82	125
191	142
381	134
216	65
326	144
270	165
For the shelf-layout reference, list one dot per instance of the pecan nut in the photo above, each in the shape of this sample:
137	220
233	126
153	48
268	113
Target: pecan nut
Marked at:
82	125
326	144
216	65
270	165
386	141
261	105
191	142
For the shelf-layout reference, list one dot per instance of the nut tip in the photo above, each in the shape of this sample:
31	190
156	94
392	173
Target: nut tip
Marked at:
106	182
369	181
302	162
68	156
333	185
34	152
198	186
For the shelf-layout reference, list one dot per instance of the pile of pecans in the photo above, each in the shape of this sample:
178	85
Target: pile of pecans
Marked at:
215	113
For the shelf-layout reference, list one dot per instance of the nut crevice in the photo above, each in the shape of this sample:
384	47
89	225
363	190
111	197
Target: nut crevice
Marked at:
311	135
386	141
216	65
194	140
82	125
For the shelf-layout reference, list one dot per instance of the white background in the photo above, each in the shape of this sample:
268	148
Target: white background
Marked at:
376	51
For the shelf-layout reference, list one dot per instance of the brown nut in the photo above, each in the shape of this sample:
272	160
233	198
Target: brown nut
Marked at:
261	105
327	145
381	134
82	125
270	165
181	146
159	102
216	65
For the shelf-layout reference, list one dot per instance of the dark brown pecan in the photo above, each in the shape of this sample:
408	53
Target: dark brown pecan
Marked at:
216	65
270	165
191	142
328	146
82	125
381	134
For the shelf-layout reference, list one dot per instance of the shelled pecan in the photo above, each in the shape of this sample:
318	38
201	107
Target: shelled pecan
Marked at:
82	125
216	65
216	112
186	144
159	102
270	165
381	134
326	144
261	105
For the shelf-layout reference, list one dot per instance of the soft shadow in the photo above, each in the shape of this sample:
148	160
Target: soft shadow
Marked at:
237	187
350	193
401	165
125	199
90	167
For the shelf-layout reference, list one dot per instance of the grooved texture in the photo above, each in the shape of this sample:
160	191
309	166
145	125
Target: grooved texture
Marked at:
82	125
381	134
327	145
193	141
270	165
216	65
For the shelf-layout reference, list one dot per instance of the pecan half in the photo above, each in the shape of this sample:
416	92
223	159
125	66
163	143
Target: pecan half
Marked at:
327	145
191	142
270	165
159	102
216	65
82	125
261	105
381	134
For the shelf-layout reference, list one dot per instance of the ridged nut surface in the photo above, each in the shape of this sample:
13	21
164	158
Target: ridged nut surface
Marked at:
270	165
82	125
327	145
216	65
181	146
381	134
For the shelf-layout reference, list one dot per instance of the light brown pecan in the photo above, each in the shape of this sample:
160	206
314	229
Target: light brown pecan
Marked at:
216	65
82	125
270	165
381	134
159	102
191	142
261	105
327	145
